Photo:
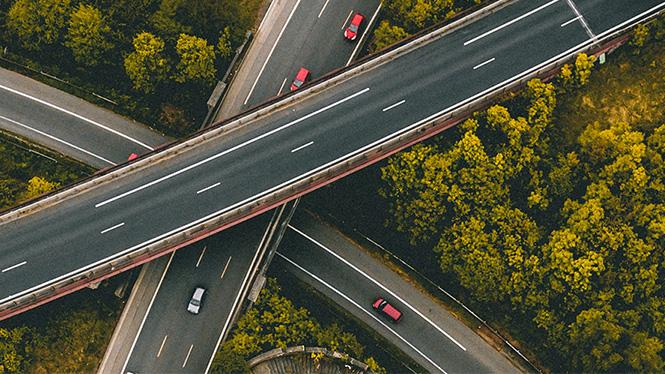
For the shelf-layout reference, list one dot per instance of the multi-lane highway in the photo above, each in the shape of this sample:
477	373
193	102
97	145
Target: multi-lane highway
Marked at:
156	345
309	36
155	201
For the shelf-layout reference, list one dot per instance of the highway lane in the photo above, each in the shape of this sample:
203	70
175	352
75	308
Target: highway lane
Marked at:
348	275
169	330
313	39
70	125
174	340
338	121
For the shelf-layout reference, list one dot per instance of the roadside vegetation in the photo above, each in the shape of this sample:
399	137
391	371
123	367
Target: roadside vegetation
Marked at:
550	211
402	18
70	336
275	322
25	174
157	59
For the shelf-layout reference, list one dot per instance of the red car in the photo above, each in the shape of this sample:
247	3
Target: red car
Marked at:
301	78
382	306
351	32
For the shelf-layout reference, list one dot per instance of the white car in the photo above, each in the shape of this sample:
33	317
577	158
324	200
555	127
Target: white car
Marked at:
196	301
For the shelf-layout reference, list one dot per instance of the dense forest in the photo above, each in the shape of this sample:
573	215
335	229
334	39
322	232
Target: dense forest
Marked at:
550	210
157	59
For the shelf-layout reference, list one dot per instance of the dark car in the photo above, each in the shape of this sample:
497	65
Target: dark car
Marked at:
351	32
302	77
382	306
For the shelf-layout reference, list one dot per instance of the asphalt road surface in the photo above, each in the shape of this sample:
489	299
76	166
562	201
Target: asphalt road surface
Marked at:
428	333
173	340
146	205
68	124
166	317
312	39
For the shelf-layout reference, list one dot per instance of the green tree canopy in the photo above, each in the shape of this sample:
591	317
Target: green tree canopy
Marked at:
147	66
38	23
385	35
87	35
197	60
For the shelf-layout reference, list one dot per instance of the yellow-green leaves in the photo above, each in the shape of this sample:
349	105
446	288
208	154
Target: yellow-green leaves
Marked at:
197	59
147	66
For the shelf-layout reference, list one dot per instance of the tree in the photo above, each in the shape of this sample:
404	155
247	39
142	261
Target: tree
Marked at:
583	66
9	189
87	35
12	349
38	186
385	35
333	338
146	66
165	23
197	60
38	23
224	43
228	360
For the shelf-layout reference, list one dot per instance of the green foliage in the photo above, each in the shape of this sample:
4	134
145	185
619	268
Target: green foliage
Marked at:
146	66
385	35
12	349
87	35
274	322
197	60
224	43
571	235
73	342
415	15
38	23
583	66
165	23
640	35
38	186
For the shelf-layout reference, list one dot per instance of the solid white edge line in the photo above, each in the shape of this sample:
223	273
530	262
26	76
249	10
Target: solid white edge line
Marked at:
57	140
159	353
301	147
349	300
380	285
492	31
94	123
201	256
484	63
147	312
188	353
347	20
570	21
112	228
232	149
393	106
208	188
324	8
369	146
240	291
281	87
360	41
14	266
225	267
271	51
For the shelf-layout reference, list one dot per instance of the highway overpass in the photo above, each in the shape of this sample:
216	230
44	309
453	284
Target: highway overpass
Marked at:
283	149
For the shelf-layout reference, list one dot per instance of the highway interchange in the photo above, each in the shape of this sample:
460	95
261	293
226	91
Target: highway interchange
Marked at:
435	98
155	202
